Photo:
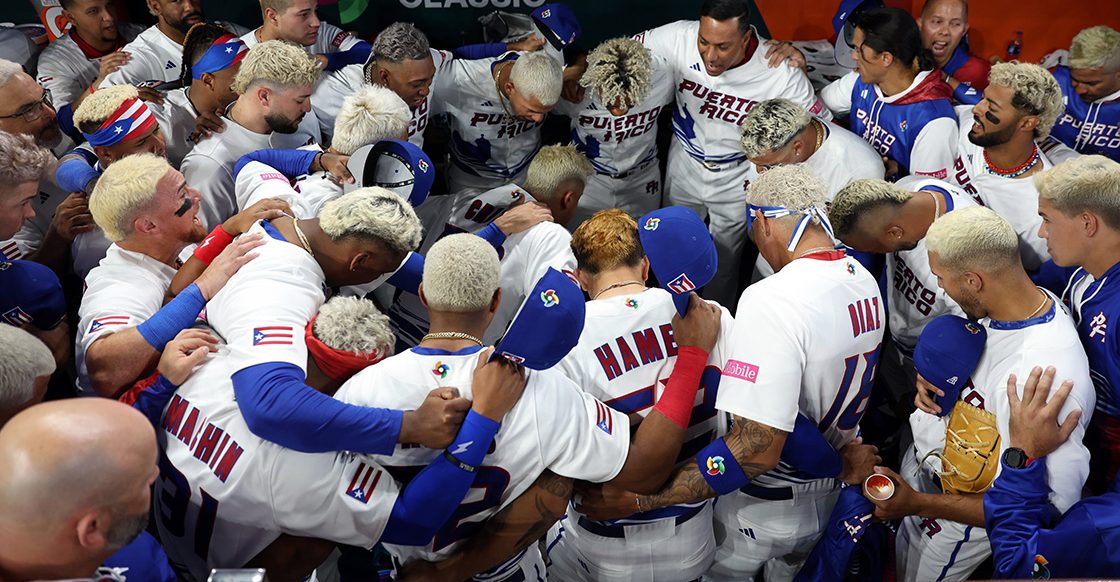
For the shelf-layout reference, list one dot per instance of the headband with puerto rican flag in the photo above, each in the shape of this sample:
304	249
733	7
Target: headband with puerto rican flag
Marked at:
129	121
222	54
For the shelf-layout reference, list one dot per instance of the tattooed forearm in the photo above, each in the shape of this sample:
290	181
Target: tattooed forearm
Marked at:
747	440
685	486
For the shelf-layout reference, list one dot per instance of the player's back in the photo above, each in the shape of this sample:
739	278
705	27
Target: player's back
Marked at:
526	256
553	426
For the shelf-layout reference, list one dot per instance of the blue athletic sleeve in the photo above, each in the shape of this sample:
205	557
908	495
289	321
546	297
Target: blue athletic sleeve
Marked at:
480	51
1016	508
430	498
965	94
152	400
291	163
74	174
807	450
493	235
179	314
279	407
408	275
849	521
356	55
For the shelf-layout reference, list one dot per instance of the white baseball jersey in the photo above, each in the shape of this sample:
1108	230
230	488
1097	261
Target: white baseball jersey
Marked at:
123	291
176	118
810	344
66	70
710	109
934	546
526	257
258	181
553	426
223	494
1015	199
615	145
337	86
489	147
209	166
155	59
329	39
913	295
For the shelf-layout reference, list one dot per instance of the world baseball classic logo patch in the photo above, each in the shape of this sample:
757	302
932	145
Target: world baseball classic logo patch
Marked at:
681	284
440	370
715	466
741	370
272	335
550	298
652	224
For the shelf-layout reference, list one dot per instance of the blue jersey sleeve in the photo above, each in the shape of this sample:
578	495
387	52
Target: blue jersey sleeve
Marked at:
850	520
355	55
279	407
408	275
1016	509
480	51
291	163
807	450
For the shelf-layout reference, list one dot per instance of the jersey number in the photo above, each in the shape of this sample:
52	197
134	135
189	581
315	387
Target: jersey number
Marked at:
846	418
173	506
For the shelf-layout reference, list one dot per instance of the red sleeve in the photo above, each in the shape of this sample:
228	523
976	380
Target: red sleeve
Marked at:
974	72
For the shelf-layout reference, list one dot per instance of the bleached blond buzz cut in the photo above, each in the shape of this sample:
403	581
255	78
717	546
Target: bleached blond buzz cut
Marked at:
1036	92
552	167
1083	184
22	160
771	125
276	63
1097	47
126	189
974	239
280	6
372	114
354	324
96	108
792	186
372	213
619	70
860	198
537	76
461	274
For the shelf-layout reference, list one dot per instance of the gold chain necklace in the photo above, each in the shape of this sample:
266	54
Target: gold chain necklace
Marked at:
451	335
302	238
1045	298
815	250
616	286
936	204
498	87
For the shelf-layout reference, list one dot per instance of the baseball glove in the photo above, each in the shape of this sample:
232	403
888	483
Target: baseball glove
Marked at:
971	456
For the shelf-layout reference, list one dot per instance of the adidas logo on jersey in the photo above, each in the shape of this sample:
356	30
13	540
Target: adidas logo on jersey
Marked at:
487	104
695	67
170	65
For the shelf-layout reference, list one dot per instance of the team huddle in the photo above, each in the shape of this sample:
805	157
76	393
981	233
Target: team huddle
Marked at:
336	308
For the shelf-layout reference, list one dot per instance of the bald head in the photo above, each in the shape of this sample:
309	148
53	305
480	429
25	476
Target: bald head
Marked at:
75	490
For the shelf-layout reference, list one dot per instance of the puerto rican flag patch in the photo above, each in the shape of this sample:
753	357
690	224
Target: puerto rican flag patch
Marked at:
363	482
272	335
108	321
681	285
603	418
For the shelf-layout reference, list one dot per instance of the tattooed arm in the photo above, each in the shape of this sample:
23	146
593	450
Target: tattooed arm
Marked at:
513	529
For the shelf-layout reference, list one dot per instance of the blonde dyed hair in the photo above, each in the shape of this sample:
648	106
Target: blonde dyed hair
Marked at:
372	213
96	108
791	186
373	113
354	324
539	76
278	63
1083	184
552	167
1097	47
771	125
619	70
607	240
974	239
126	189
22	160
461	274
859	198
1036	92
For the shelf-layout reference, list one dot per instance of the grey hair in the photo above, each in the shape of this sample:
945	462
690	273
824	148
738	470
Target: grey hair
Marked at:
372	213
400	41
23	358
8	70
771	125
22	160
461	273
354	324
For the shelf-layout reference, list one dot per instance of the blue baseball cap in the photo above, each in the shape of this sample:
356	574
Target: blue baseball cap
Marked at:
844	29
948	349
548	324
559	20
395	165
680	249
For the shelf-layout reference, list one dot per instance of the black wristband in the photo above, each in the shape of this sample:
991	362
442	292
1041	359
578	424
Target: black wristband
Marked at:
451	459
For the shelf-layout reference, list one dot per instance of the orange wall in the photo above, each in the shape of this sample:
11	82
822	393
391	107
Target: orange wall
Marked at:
1046	25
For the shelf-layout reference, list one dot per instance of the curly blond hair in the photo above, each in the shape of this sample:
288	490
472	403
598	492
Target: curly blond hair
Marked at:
771	125
607	240
278	63
96	108
22	160
859	198
1083	184
792	186
1036	92
619	70
354	324
551	167
372	213
1097	47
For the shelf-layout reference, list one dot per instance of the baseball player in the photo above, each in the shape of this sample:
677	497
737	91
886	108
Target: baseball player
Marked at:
1025	542
224	494
624	354
615	126
73	65
720	75
274	85
123	321
1091	92
1076	190
894	99
295	21
997	150
974	254
31	199
556	427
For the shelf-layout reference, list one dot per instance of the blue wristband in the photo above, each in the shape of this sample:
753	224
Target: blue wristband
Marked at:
493	235
474	438
720	469
173	318
74	174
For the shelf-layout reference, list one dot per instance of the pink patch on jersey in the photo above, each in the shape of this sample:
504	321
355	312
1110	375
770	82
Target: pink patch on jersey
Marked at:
817	107
940	174
339	38
273	176
741	370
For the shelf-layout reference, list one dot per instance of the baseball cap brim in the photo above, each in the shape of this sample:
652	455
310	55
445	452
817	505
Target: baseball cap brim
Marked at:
395	165
547	325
